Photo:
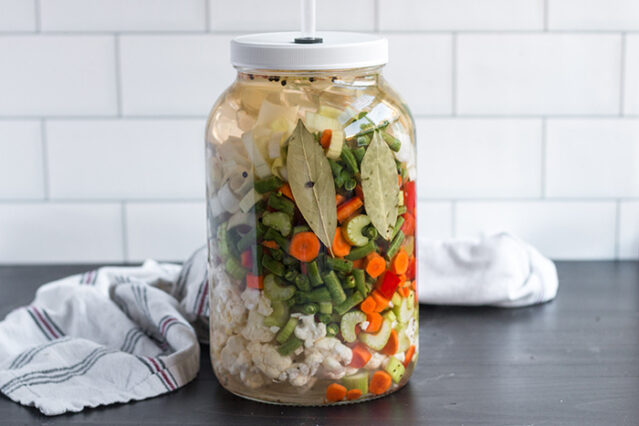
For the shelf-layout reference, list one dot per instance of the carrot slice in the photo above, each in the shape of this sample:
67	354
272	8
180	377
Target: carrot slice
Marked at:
361	356
368	305
399	180
304	246
392	344
335	392
255	281
339	198
353	394
325	139
286	190
359	191
409	355
380	382
404	291
399	264
374	322
347	208
270	244
340	245
359	263
375	265
380	301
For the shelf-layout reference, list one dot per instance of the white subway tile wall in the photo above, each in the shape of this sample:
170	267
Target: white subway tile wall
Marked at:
527	118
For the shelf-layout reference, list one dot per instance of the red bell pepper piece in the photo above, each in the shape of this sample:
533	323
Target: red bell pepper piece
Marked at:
254	281
410	196
412	268
389	284
246	259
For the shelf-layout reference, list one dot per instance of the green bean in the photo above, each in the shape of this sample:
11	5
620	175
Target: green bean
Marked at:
314	274
349	159
393	247
398	225
300	228
268	184
272	234
310	309
349	282
289	346
369	131
341	265
277	254
401	210
362	141
336	168
290	275
334	287
301	282
286	331
281	204
350	302
279	221
393	143
325	318
360	281
289	260
326	307
359	153
317	295
363	251
342	177
332	329
234	268
247	240
290	302
273	265
350	184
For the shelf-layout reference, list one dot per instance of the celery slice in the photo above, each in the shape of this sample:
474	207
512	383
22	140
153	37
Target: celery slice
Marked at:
395	368
378	340
357	381
348	323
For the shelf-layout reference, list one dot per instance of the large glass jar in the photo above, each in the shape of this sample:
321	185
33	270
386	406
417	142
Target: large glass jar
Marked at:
311	229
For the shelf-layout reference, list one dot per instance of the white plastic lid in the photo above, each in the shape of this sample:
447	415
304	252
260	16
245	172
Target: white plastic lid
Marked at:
281	51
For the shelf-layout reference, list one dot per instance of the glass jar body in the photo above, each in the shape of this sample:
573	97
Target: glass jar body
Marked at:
281	330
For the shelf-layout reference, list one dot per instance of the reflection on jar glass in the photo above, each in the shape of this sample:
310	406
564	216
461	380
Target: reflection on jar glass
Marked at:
311	234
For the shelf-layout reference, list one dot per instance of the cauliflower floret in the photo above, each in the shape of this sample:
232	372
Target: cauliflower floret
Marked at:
234	356
218	340
411	330
252	377
335	357
255	330
254	298
376	360
227	310
308	330
268	360
298	374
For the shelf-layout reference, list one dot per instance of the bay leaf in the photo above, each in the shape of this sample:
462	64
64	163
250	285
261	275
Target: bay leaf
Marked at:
379	184
311	181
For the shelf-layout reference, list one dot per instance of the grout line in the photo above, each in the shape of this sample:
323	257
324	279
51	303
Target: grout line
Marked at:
38	18
453	220
377	17
106	117
125	243
118	74
622	76
543	157
453	76
516	199
104	200
45	158
545	15
207	16
617	229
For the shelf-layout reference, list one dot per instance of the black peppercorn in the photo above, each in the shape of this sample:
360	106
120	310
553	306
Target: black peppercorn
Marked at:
333	79
311	79
276	78
251	76
283	82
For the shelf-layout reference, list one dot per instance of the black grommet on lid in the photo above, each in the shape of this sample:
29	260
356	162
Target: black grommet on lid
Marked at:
309	40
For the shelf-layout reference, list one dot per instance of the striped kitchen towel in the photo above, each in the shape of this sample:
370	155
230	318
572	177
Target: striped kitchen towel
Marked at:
111	335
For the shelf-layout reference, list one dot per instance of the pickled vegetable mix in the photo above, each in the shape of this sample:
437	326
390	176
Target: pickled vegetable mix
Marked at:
311	217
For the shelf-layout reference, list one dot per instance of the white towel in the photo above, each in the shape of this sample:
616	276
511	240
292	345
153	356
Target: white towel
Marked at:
499	270
128	333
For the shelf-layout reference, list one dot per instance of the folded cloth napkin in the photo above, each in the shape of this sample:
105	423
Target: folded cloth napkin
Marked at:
499	270
118	334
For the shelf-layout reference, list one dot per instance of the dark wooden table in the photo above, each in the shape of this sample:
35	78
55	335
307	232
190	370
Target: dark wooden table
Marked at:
572	361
